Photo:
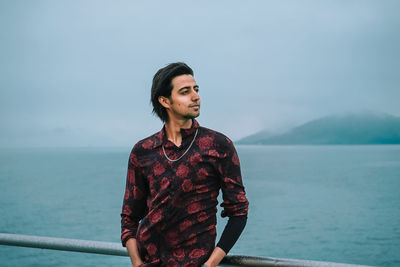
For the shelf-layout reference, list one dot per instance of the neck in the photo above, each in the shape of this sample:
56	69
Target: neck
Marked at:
173	129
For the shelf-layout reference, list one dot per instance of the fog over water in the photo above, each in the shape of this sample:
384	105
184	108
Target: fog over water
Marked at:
79	73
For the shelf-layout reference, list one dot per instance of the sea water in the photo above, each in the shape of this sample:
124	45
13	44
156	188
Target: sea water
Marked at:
328	203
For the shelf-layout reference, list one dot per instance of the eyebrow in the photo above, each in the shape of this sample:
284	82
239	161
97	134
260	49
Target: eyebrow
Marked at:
188	87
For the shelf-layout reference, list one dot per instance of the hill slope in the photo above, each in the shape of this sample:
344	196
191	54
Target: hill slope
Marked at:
359	128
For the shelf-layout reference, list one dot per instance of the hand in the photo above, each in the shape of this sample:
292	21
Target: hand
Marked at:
137	263
216	256
133	252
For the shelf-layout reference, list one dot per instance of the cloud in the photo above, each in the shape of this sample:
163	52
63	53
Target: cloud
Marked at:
262	64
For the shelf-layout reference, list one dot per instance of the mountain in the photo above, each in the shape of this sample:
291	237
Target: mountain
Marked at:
257	138
349	129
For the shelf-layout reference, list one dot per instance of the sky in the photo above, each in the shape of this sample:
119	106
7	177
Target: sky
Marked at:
78	73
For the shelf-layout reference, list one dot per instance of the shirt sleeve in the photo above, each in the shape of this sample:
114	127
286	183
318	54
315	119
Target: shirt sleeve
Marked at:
234	202
134	206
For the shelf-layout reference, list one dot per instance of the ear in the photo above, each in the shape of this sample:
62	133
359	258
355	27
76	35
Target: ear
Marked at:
164	101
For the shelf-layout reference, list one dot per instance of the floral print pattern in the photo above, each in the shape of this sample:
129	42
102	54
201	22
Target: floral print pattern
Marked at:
170	207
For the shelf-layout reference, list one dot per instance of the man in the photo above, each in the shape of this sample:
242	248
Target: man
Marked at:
174	178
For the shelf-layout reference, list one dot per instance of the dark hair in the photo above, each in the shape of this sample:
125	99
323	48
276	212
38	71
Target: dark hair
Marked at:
162	85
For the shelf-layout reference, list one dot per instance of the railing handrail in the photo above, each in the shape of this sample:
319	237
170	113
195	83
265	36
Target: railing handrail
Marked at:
116	249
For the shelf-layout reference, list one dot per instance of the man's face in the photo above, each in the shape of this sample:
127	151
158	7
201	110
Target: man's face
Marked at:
184	102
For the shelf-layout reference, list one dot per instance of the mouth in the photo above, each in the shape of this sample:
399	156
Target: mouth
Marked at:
195	106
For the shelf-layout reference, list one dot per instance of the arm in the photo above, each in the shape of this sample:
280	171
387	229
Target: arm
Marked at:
232	232
134	208
235	203
133	252
229	236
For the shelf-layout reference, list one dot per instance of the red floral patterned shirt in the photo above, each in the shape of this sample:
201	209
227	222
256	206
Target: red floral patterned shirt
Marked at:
170	207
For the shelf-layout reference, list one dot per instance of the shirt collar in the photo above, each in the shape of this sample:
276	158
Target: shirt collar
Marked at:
161	136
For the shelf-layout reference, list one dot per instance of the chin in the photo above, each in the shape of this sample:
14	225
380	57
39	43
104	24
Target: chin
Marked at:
192	116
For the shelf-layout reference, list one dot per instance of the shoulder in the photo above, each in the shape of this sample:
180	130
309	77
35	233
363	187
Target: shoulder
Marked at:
148	143
145	146
218	139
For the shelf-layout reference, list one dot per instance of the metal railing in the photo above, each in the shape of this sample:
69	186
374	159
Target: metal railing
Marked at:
116	249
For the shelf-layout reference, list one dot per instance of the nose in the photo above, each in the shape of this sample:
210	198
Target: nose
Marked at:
195	96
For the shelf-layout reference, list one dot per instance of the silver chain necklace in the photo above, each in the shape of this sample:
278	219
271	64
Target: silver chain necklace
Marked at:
194	138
